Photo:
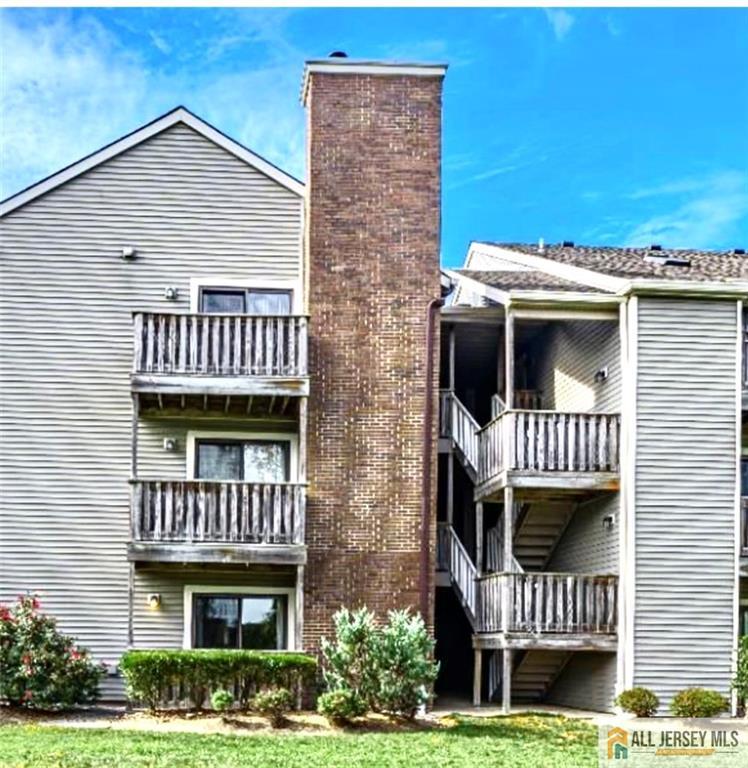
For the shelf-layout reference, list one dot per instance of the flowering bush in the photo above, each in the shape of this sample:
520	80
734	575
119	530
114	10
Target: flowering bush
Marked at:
39	667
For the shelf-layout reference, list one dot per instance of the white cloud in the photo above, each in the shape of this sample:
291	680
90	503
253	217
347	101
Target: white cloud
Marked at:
699	212
560	20
69	86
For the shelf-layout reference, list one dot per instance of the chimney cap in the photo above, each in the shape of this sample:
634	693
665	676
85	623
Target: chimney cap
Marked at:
342	65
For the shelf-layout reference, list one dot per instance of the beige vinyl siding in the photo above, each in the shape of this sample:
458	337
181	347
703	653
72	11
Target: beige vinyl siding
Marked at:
568	358
164	628
587	682
190	209
587	545
154	462
685	475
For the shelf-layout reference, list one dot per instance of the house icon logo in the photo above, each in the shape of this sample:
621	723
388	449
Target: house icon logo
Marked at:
618	744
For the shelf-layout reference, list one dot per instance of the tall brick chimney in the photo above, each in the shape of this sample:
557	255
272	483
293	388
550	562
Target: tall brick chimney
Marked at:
374	164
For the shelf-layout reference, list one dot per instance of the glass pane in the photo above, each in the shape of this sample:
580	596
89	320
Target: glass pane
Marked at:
263	624
269	302
219	461
266	461
222	302
744	477
216	622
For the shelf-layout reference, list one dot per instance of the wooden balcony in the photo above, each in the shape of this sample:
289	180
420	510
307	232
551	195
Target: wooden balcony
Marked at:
548	450
561	610
223	355
196	521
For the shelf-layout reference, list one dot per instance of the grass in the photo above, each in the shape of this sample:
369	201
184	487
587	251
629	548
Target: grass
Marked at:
528	741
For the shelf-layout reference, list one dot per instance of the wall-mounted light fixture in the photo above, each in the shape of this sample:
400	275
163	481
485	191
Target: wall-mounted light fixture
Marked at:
154	601
171	293
170	444
608	521
128	253
601	375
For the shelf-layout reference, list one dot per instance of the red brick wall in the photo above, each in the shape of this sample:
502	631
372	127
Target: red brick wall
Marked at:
373	266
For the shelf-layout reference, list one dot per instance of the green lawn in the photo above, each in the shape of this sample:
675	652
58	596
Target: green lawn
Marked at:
515	742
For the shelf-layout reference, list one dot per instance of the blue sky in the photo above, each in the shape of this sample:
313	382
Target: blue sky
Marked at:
607	126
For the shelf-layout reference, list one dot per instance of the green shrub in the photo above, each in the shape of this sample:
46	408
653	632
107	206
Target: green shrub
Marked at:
640	701
405	670
698	702
349	660
387	669
157	677
740	681
39	667
221	700
274	704
341	705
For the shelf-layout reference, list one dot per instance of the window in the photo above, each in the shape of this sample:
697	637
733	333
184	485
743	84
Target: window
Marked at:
251	301
253	461
252	621
744	476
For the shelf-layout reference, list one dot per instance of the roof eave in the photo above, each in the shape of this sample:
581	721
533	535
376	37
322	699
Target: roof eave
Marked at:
175	116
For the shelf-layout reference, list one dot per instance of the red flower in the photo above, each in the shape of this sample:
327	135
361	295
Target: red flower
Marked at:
75	655
5	614
26	659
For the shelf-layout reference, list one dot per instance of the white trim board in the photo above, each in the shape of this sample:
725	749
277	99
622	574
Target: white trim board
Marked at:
178	115
192	589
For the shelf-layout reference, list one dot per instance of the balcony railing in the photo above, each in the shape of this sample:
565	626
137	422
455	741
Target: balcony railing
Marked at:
745	347
548	441
744	526
197	511
548	603
220	345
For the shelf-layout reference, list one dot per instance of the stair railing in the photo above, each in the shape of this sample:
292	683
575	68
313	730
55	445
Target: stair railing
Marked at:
461	571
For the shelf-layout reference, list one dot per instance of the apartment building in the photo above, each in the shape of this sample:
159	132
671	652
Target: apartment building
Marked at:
233	402
593	419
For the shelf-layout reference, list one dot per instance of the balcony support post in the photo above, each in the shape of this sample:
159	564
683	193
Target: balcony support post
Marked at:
452	358
506	681
477	675
507	560
509	354
479	538
450	486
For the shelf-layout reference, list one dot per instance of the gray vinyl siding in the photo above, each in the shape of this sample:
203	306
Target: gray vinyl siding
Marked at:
190	209
156	463
685	495
587	681
568	358
164	628
587	545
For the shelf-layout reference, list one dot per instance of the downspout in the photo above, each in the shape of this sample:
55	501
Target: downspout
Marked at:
428	416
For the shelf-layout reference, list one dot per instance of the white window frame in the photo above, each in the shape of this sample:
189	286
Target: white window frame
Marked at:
199	434
230	283
190	590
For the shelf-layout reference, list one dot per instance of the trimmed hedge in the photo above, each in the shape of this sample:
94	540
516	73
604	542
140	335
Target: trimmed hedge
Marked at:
166	678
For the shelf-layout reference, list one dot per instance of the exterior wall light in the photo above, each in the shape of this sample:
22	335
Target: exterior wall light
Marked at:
154	601
128	253
171	293
608	521
170	444
601	375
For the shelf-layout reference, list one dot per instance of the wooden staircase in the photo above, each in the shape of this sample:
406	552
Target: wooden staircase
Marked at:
538	531
535	673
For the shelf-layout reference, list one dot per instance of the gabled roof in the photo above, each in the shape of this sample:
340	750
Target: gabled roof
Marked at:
629	263
177	115
523	280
